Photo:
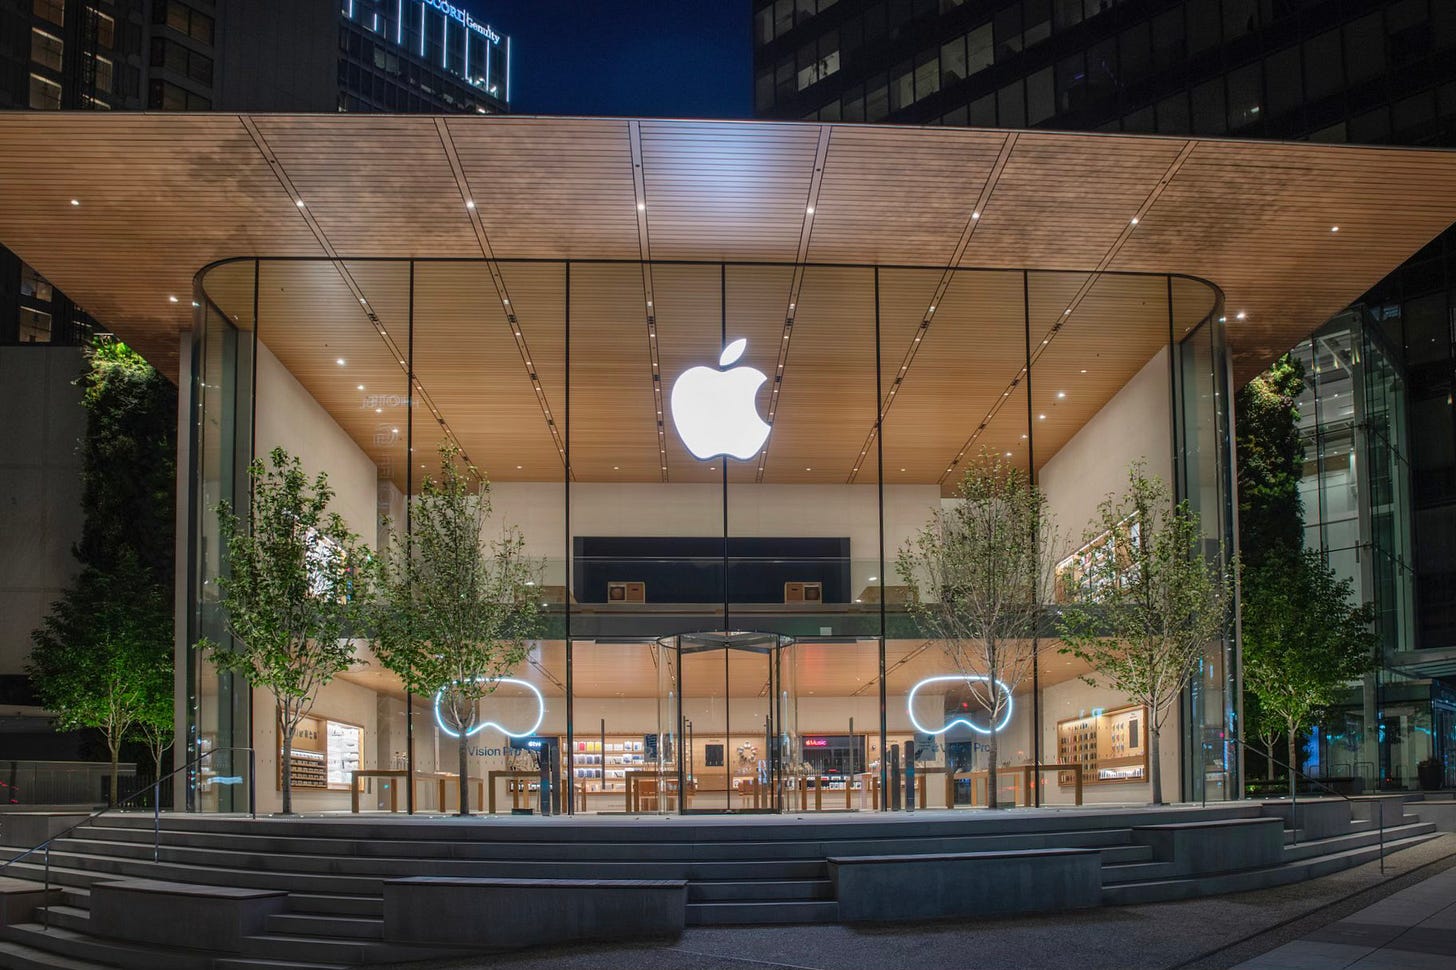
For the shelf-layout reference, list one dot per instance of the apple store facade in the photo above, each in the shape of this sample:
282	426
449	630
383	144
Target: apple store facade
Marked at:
716	465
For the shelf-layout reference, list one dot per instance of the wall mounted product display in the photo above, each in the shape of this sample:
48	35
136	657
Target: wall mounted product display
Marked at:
1111	746
325	752
606	770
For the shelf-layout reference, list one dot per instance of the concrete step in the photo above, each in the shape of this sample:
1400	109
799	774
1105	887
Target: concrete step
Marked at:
318	949
1136	872
760	890
386	868
739	914
1165	890
18	956
335	905
313	924
110	953
243	963
544	851
66	917
1354	840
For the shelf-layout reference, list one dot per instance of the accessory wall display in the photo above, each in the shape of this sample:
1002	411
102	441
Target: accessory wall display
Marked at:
325	753
1111	746
606	770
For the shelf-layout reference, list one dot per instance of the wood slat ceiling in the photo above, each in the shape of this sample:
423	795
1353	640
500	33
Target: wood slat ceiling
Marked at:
163	195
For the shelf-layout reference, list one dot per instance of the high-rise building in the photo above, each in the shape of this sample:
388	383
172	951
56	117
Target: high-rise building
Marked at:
183	55
259	55
1318	70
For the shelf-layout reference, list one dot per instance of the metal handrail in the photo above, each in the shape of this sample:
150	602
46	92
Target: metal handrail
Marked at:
156	790
1378	809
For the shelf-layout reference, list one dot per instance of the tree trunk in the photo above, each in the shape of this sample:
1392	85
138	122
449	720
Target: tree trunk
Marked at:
114	746
1155	763
1293	770
991	752
287	763
464	778
1269	757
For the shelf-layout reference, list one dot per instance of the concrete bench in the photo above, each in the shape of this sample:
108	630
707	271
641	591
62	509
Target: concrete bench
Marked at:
911	887
1315	818
182	914
1220	845
531	912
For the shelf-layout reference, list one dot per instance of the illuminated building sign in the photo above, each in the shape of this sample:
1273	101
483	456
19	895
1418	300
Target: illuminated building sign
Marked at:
816	742
463	16
540	712
960	679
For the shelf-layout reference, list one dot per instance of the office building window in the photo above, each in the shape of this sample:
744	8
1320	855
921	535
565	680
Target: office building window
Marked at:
980	51
183	19
104	75
44	94
1286	90
34	285
180	60
1244	89
1322	71
105	30
953	61
45	49
1040	99
52	10
166	96
35	326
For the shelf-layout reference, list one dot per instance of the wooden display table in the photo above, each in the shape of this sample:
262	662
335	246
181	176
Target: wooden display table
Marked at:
355	776
644	788
981	781
443	780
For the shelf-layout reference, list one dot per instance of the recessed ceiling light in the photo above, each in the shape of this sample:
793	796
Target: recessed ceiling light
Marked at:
1061	394
361	387
616	468
394	430
1240	315
808	469
902	469
873	579
1008	454
641	206
1084	370
298	202
75	202
171	299
379	410
975	215
519	467
340	362
470	203
196	304
1041	417
809	210
1334	228
1134	220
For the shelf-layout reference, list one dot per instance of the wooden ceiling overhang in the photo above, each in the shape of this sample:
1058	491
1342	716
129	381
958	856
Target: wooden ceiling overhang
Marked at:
1288	233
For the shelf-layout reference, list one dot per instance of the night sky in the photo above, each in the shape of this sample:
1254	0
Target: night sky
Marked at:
664	58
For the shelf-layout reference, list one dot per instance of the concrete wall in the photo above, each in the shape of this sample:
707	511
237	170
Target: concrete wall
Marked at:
40	489
1136	423
290	418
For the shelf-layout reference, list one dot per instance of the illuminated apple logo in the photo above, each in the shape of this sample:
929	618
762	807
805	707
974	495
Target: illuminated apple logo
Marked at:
714	409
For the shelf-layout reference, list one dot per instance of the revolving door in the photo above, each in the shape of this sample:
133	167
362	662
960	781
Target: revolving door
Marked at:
731	698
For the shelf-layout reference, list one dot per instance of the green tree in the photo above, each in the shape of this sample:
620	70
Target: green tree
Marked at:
1304	641
1148	602
1271	463
97	657
103	658
455	612
296	585
978	574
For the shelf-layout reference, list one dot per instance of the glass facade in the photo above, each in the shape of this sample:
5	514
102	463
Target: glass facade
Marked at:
723	634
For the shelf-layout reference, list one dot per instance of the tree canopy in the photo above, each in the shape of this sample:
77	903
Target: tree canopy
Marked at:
1270	462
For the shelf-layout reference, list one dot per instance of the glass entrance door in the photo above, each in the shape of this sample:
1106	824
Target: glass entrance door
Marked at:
732	708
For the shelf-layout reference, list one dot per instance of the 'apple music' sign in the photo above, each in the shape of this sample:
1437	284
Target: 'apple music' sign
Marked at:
714	409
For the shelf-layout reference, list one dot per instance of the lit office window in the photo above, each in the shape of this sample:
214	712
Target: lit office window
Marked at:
52	10
45	49
34	285
104	75
35	326
44	94
105	30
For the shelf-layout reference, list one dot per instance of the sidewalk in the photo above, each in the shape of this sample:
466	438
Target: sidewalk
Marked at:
1413	929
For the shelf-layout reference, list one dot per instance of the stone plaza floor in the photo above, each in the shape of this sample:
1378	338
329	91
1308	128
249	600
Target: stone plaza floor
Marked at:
1357	918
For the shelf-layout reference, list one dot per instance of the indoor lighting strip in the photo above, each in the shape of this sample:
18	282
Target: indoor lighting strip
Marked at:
644	251
502	292
937	298
806	232
795	284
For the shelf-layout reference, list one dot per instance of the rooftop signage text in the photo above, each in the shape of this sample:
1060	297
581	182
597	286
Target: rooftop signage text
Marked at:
463	16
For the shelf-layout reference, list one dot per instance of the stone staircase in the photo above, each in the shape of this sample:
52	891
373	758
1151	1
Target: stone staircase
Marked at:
740	871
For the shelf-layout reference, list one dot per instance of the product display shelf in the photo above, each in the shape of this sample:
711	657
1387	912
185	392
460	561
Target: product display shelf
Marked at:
594	770
1111	747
